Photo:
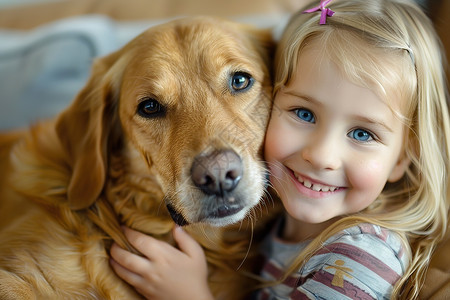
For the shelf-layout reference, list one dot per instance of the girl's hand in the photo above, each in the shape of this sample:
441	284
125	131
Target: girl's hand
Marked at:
165	272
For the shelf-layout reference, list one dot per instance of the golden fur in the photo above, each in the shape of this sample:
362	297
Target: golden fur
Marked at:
68	184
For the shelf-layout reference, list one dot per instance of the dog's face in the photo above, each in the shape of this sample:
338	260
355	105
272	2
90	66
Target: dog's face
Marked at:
192	98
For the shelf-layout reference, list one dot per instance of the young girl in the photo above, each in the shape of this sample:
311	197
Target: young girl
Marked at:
358	151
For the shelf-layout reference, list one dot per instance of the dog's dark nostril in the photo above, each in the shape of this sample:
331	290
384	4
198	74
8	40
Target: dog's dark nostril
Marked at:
217	173
206	180
231	179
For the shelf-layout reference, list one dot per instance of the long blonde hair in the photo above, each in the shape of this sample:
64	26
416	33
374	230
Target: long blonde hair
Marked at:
398	51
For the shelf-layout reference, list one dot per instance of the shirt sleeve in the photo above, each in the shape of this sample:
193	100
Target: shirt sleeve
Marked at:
364	265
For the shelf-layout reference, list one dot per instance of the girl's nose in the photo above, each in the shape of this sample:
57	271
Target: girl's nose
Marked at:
322	153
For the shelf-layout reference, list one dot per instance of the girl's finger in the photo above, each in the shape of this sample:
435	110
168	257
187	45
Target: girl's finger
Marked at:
130	277
128	260
186	243
145	244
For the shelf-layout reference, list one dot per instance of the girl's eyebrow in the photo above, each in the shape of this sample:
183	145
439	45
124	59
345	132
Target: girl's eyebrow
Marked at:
373	121
302	96
364	119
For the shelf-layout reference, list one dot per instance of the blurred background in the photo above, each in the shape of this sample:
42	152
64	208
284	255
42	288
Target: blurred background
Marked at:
47	46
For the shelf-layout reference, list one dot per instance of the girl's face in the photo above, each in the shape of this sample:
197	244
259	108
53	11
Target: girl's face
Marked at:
331	145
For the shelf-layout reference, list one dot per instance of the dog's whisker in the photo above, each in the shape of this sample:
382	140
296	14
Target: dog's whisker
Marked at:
277	178
248	248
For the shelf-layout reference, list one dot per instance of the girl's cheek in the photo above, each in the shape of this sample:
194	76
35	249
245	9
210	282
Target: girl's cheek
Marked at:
274	143
281	140
369	175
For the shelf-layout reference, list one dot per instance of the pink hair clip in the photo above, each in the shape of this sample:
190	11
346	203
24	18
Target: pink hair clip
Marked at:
324	11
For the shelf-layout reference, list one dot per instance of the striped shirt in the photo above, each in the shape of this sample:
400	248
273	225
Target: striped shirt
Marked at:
361	262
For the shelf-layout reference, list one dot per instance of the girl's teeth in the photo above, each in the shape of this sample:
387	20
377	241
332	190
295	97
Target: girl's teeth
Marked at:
325	189
307	183
314	187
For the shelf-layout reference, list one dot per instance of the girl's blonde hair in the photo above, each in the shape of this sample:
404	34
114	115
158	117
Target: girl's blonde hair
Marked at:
391	47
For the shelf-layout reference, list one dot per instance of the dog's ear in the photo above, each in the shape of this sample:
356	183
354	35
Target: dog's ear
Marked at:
83	131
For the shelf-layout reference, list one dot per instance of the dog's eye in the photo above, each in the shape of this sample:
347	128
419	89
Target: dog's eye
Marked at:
241	81
150	108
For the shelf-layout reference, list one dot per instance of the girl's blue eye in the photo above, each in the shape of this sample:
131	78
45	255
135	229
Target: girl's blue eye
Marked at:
305	115
360	135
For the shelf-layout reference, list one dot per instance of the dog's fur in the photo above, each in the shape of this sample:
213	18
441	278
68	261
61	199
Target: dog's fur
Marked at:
180	96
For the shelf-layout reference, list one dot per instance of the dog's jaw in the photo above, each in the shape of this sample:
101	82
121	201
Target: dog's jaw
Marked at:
231	216
222	215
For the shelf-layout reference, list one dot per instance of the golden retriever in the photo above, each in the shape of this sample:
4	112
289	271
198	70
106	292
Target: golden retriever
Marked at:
169	128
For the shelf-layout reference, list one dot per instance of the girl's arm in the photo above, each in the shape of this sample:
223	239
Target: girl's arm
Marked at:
164	272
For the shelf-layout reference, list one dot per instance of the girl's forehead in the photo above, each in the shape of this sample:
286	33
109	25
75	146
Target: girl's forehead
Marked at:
363	71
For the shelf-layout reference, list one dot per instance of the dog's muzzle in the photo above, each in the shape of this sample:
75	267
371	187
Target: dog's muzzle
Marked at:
216	175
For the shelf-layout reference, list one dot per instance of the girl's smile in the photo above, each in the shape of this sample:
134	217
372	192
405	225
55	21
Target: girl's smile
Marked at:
312	188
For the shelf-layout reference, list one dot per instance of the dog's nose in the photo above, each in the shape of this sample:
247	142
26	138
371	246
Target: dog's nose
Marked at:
218	172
